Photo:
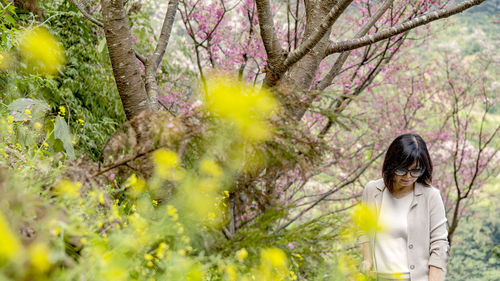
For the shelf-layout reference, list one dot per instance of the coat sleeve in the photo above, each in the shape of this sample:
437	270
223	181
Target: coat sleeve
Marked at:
439	246
362	235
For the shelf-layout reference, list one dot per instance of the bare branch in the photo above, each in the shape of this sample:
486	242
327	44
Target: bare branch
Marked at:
352	44
319	33
154	60
87	15
166	29
327	80
327	194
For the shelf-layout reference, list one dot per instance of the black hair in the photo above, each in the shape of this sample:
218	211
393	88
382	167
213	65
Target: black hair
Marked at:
402	153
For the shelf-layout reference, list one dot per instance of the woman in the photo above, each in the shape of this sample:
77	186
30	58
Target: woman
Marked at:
412	244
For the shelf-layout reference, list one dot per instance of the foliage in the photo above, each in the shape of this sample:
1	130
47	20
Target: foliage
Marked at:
181	222
119	232
84	86
473	255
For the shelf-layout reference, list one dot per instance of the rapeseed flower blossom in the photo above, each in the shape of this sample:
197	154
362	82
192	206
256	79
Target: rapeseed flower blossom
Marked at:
39	257
365	218
243	105
210	167
167	165
231	273
10	246
42	51
67	188
172	212
241	254
273	265
274	257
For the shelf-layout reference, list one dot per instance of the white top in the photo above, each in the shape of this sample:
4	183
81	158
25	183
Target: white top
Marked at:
391	254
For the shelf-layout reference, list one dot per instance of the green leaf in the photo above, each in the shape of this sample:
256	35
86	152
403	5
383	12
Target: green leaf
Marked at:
61	132
18	108
102	44
10	19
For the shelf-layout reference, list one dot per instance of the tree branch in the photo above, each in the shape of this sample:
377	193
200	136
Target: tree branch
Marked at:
166	29
328	193
352	44
327	80
320	31
87	15
154	60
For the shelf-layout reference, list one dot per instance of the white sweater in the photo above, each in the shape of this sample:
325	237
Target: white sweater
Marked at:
391	253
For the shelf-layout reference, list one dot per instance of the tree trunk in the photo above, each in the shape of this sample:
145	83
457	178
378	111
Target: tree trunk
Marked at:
125	68
298	79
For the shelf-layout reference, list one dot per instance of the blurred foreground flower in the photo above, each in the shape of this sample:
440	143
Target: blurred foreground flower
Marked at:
273	265
241	255
247	107
41	51
68	189
365	219
9	246
39	256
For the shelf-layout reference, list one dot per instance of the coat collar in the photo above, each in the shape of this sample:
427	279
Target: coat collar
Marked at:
419	189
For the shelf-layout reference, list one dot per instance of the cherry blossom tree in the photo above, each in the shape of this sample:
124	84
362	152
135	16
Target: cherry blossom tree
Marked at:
331	63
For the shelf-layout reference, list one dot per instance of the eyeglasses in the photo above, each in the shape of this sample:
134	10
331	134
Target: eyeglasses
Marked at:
414	173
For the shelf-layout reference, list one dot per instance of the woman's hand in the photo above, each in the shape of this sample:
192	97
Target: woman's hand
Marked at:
366	266
435	273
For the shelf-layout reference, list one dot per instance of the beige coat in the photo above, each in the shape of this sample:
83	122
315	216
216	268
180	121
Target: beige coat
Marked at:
427	234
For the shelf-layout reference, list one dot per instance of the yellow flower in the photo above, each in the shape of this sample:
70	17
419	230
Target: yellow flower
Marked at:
365	218
274	257
398	276
101	199
160	251
10	119
41	50
241	255
80	121
45	144
39	257
242	105
138	185
231	273
114	273
273	265
209	167
38	125
172	212
195	274
27	112
148	257
167	164
10	246
62	111
166	157
67	188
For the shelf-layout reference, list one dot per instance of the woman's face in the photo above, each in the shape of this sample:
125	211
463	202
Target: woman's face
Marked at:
406	180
